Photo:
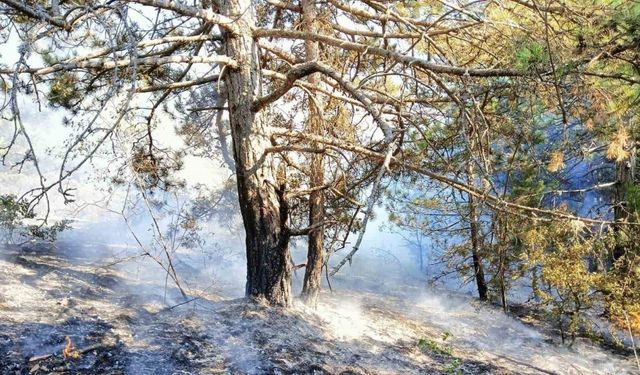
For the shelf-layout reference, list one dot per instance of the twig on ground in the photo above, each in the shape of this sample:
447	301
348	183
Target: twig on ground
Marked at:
178	305
79	351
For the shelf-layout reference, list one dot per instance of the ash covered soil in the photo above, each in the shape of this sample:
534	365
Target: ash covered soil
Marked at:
121	322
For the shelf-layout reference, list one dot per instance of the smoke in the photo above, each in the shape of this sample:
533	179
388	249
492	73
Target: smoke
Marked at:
490	331
391	280
474	332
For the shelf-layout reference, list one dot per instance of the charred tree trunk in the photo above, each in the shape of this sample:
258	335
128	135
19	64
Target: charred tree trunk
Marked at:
475	252
502	262
260	194
474	229
625	175
315	251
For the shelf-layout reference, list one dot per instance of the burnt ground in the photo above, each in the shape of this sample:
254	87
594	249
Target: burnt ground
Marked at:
124	321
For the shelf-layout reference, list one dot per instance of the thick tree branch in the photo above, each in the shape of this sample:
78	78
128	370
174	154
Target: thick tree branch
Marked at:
395	56
399	35
381	16
284	55
533	5
37	13
285	5
295	73
180	85
302	70
499	203
305	231
203	14
111	64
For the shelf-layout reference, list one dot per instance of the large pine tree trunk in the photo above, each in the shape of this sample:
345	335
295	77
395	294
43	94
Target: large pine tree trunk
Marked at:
315	250
263	211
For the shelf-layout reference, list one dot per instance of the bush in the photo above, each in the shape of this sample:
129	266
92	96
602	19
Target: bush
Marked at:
19	224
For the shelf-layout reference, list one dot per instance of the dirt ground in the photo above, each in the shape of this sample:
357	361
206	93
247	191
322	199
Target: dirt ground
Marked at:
121	322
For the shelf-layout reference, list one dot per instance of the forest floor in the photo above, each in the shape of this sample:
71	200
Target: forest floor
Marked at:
120	324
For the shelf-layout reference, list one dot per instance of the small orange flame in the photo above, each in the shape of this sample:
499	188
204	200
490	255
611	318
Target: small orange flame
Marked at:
69	351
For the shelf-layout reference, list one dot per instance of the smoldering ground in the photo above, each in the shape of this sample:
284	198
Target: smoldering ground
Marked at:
125	316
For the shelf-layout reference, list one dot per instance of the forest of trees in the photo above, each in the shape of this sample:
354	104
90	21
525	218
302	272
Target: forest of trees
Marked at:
503	130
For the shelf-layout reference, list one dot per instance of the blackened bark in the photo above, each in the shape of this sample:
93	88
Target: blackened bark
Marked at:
474	231
267	243
475	252
625	175
502	264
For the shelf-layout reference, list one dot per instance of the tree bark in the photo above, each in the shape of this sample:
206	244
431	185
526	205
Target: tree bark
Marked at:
475	252
501	234
261	196
315	250
625	175
474	231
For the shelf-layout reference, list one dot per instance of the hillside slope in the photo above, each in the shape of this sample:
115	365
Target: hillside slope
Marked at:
119	323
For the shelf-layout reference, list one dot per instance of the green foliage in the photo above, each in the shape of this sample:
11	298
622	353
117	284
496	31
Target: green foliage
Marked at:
48	232
531	55
626	20
633	199
14	222
527	186
49	59
452	365
446	335
434	347
64	91
12	211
